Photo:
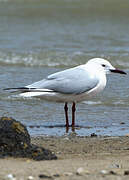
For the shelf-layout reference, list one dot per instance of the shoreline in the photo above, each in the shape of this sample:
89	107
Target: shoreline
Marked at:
78	158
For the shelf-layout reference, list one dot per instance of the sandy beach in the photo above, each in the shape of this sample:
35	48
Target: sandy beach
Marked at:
39	38
78	158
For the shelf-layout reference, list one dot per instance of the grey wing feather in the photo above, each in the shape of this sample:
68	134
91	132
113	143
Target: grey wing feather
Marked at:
71	81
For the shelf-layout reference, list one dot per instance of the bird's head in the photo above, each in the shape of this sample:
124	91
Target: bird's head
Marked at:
104	65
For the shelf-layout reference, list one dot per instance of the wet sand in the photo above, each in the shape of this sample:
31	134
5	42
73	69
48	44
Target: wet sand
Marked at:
78	158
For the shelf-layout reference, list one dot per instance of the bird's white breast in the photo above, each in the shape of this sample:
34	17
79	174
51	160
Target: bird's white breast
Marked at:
98	88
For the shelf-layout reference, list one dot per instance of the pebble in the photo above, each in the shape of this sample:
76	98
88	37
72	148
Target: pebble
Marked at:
66	138
10	177
115	166
58	152
93	135
104	172
115	171
56	175
68	174
127	135
126	172
122	122
118	171
80	171
43	176
30	178
112	172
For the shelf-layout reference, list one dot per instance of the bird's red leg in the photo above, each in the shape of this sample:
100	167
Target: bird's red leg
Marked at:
73	115
66	116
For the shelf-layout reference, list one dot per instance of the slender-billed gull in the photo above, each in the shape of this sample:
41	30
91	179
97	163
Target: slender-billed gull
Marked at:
71	85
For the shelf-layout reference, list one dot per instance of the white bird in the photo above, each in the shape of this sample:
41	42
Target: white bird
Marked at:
71	85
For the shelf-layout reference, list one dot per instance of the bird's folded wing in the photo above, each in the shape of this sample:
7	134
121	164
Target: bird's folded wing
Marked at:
71	81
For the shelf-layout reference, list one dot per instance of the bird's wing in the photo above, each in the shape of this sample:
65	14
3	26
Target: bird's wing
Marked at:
72	81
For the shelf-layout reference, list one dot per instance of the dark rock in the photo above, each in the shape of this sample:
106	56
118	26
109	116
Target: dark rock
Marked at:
39	153
122	122
43	176
13	134
112	172
15	141
126	172
56	175
93	135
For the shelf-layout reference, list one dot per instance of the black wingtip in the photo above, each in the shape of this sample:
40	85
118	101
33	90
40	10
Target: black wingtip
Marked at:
19	88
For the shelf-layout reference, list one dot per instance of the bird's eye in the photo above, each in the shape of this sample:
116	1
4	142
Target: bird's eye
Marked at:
103	65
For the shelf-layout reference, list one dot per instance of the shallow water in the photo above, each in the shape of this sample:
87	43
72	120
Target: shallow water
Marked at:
40	37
